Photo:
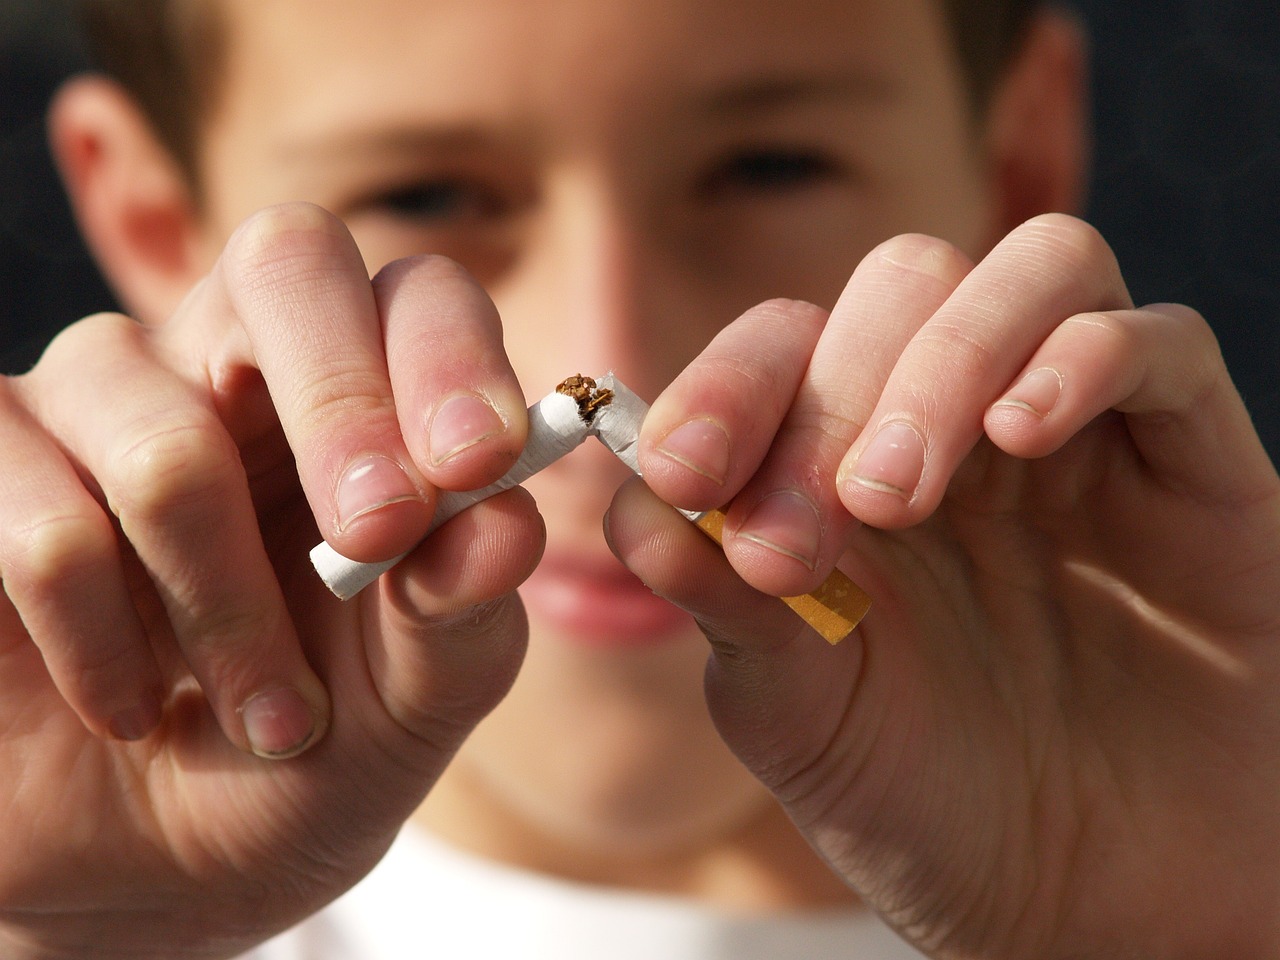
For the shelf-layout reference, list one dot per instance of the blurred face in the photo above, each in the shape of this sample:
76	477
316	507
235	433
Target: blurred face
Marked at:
625	178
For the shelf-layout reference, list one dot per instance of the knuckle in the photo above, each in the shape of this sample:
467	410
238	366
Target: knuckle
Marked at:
345	394
788	311
921	257
1192	326
824	426
463	316
787	326
87	342
429	267
226	637
752	381
956	347
1078	244
828	430
284	244
56	549
174	467
1206	368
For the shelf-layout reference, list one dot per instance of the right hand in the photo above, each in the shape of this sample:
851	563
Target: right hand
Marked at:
164	642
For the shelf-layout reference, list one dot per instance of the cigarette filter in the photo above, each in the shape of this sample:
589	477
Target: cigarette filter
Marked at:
834	609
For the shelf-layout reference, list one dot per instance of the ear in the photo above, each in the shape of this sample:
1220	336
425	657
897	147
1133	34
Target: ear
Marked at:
1037	136
135	206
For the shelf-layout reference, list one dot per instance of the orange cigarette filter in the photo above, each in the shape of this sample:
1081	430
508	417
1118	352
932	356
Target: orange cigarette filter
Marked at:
615	412
834	609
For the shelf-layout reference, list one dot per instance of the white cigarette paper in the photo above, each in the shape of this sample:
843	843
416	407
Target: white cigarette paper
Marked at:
558	423
834	609
555	428
617	426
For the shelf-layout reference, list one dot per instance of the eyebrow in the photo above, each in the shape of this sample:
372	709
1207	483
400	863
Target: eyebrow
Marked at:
773	93
761	95
408	140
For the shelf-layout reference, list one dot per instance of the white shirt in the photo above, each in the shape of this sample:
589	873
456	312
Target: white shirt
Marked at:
428	900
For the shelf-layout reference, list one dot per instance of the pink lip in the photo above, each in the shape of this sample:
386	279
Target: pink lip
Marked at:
597	602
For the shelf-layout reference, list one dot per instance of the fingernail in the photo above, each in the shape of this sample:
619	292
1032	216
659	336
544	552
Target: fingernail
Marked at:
1037	392
461	422
893	461
137	721
370	484
786	522
279	723
702	445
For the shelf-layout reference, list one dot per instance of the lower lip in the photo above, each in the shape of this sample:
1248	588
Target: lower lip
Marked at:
608	608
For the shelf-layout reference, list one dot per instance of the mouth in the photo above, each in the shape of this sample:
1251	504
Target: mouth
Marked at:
593	600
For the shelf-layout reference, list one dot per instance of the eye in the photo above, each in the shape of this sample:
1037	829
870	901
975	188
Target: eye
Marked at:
769	170
448	200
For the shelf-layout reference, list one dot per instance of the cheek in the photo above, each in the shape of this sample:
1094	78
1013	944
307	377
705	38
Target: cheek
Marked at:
937	182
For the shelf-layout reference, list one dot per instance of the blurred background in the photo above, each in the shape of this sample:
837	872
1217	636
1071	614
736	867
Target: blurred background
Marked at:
1186	186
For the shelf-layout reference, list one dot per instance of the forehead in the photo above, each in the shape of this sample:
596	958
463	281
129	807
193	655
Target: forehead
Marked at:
526	56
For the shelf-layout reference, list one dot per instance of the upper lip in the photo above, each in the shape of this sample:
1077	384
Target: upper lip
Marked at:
602	567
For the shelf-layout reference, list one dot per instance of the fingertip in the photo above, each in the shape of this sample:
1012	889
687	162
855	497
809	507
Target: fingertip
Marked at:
1018	431
690	462
777	543
370	483
474	437
460	406
884	481
282	722
459	423
1022	423
380	509
1037	392
277	234
138	721
483	553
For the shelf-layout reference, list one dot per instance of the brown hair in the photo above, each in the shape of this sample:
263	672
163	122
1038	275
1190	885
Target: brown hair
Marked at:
986	34
167	54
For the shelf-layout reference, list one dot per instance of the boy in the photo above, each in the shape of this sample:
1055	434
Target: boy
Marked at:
1047	733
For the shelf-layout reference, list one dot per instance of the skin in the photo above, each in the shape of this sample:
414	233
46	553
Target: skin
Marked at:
1075	602
552	150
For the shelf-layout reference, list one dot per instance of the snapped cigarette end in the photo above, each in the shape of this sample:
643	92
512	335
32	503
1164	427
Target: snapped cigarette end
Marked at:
587	394
615	414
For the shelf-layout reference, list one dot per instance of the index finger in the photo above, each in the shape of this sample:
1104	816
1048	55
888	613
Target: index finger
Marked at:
294	281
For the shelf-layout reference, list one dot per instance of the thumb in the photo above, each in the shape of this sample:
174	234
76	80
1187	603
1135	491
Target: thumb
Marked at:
778	692
445	633
412	665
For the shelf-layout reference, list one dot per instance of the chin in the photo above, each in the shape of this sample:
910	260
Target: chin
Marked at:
608	747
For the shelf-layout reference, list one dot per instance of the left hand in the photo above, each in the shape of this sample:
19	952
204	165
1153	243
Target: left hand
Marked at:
1057	733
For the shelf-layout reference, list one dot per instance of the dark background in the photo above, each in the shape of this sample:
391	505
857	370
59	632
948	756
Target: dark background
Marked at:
1186	188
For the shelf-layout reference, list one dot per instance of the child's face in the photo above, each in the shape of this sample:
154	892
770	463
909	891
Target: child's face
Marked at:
624	177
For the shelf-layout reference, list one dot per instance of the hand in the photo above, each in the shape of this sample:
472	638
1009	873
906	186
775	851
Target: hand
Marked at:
163	639
1057	732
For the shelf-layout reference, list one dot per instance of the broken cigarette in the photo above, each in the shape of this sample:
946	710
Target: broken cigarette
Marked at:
579	408
834	609
555	428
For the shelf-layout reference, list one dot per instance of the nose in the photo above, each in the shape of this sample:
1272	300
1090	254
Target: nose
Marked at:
599	287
